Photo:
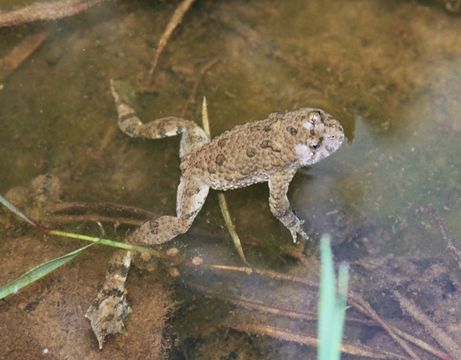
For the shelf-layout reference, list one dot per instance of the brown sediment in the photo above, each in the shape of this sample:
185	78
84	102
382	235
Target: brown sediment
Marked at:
355	300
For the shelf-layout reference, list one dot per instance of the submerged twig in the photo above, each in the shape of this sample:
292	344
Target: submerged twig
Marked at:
436	332
105	212
231	227
21	52
355	299
269	309
170	28
193	93
362	306
66	219
43	11
444	232
99	206
221	198
301	338
421	344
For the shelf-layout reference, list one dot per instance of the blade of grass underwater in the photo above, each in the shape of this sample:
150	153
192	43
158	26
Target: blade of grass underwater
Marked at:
106	242
340	311
47	230
38	272
327	300
16	211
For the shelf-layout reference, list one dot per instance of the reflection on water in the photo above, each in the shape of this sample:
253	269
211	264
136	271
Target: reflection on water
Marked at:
391	71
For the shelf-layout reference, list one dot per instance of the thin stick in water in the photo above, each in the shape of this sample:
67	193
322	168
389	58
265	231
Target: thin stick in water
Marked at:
170	28
221	198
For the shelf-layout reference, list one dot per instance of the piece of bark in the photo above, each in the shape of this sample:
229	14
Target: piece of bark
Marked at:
43	11
22	52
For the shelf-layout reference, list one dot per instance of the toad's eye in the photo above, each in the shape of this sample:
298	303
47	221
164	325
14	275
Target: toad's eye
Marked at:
332	137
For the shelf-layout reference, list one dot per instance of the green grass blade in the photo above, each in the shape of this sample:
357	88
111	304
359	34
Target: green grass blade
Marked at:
107	242
15	210
340	311
327	300
38	272
332	304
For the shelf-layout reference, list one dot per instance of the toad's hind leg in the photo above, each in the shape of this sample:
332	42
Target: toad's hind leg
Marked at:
191	196
192	135
110	308
192	191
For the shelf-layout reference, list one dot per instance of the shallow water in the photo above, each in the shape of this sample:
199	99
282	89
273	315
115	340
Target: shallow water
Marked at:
389	70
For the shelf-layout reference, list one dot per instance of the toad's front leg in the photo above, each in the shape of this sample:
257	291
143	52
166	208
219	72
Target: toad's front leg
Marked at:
280	205
190	198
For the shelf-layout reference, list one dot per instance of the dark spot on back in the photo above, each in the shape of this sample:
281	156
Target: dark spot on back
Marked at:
292	130
153	226
267	128
221	143
251	152
265	144
220	159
